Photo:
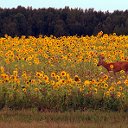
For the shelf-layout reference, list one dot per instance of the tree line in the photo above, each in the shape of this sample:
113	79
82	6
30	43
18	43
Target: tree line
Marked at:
58	22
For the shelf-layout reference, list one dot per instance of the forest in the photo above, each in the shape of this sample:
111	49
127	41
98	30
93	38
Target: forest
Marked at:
61	22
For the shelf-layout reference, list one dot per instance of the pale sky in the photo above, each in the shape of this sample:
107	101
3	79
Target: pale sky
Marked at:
102	5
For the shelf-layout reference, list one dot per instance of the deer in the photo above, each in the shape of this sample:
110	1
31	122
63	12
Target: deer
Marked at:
114	66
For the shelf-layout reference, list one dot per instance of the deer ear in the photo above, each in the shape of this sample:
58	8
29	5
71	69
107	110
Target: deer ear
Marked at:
101	57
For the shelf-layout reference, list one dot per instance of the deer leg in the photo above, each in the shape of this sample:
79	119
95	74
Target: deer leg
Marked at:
109	74
126	72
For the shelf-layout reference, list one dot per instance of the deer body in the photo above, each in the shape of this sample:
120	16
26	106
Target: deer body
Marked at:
115	67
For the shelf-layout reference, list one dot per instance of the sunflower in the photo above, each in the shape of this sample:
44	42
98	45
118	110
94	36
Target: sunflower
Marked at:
63	74
46	78
77	78
53	74
120	88
86	82
105	85
52	82
95	90
107	94
57	77
126	82
36	89
118	94
62	81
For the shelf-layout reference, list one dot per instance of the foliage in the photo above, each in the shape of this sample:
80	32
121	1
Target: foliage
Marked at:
59	22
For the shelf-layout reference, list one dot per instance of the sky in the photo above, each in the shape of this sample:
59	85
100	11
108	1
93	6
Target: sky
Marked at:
103	5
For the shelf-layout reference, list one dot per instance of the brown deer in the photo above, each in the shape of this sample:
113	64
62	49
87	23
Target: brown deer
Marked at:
115	66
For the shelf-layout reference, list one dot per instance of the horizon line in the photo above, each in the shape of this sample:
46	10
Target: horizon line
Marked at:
110	11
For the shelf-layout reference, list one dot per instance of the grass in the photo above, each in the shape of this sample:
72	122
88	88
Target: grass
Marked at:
87	119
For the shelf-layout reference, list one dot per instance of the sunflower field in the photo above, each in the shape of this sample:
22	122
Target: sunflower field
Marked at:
61	74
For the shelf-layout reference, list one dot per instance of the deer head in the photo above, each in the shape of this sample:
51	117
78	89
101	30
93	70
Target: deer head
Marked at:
101	59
